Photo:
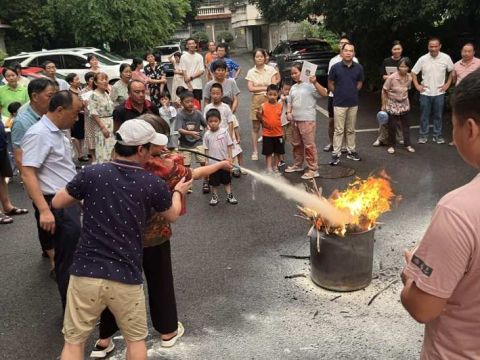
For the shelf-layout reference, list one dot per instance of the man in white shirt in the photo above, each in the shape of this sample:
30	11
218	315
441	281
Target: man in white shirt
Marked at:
51	71
434	66
191	63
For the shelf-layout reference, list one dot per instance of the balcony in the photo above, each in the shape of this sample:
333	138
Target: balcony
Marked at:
212	12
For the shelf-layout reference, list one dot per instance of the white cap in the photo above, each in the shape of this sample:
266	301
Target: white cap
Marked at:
138	132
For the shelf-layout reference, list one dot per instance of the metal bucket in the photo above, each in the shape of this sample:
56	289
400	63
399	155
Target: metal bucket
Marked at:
343	263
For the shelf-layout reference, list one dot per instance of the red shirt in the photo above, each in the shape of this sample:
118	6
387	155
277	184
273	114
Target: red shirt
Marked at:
272	122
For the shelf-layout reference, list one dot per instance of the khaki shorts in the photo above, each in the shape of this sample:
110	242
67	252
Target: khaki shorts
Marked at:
88	297
198	158
257	101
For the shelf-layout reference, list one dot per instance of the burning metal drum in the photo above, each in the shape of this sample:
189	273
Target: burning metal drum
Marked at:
343	263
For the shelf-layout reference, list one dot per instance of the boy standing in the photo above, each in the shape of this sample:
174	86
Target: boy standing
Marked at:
286	125
190	125
218	144
169	114
270	114
216	95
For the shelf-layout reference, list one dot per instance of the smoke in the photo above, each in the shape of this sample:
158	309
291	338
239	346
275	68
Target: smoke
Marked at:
325	209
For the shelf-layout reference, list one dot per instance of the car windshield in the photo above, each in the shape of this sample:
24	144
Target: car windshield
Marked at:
309	48
167	50
102	59
110	55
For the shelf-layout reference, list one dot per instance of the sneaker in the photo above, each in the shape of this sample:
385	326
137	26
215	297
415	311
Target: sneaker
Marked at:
335	160
353	156
391	150
293	168
206	187
377	143
214	200
410	149
254	156
231	199
169	343
236	173
438	140
422	140
189	191
281	163
100	352
260	139
328	148
451	143
401	142
310	174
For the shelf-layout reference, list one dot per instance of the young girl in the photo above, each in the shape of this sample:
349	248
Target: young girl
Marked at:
395	102
270	114
218	144
169	114
301	113
259	77
286	125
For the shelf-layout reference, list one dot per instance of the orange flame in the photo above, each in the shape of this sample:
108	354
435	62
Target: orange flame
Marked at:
364	200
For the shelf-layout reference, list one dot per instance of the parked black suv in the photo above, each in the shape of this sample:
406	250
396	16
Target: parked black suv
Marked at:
316	51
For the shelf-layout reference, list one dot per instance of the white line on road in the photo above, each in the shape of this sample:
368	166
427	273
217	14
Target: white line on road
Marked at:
325	113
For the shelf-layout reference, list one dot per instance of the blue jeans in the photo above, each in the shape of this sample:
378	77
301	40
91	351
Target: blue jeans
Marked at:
431	105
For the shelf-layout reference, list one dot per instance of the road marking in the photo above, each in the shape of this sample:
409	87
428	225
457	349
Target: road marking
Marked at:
325	113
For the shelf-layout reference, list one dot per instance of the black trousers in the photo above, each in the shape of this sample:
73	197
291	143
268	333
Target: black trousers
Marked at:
46	239
157	266
67	233
393	122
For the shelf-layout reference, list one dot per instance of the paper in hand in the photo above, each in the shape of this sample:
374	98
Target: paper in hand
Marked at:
308	69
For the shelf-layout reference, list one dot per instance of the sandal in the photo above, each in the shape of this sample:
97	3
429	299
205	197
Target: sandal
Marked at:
16	211
206	187
5	219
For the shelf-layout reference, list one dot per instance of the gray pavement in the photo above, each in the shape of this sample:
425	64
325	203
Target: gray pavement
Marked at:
231	290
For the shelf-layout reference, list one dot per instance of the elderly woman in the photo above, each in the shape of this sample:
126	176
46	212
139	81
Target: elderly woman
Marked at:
157	262
158	80
100	108
259	78
119	91
12	91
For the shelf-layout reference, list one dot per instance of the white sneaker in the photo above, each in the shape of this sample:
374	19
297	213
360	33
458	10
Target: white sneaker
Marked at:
377	143
260	139
254	156
293	168
310	175
173	340
100	352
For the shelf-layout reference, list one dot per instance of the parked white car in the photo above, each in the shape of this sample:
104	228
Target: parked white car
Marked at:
69	61
162	54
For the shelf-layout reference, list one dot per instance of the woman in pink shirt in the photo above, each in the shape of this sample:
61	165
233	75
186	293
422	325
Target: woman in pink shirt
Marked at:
395	102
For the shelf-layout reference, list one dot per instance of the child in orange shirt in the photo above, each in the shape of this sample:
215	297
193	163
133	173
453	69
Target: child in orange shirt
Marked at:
269	115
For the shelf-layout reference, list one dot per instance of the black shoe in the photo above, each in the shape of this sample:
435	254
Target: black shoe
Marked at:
84	158
353	156
344	151
205	187
236	173
335	160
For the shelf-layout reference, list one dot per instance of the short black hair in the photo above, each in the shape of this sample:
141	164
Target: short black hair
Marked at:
287	82
216	86
272	87
39	85
90	57
227	100
469	44
8	68
464	101
148	53
180	90
185	95
213	113
129	86
46	63
405	60
164	94
135	62
223	46
62	98
13	107
89	75
434	38
219	64
70	77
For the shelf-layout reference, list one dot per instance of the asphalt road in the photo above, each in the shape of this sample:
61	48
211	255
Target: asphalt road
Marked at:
232	294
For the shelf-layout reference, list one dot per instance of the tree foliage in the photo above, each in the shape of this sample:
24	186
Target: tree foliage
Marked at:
126	24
